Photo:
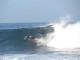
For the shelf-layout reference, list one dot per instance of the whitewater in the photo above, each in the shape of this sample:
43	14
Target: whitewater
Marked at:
65	35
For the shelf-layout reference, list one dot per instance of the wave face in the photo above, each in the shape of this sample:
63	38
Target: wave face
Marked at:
13	39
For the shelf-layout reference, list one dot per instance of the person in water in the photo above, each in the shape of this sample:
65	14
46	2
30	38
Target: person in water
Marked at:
29	38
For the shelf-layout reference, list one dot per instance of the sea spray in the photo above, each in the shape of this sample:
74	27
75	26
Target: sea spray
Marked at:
64	36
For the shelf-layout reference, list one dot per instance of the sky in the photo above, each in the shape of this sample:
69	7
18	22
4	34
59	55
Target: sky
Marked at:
23	11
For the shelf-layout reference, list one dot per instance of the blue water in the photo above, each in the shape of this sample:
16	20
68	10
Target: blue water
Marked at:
14	47
20	25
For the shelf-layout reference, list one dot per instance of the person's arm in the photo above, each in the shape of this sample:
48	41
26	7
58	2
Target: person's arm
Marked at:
25	37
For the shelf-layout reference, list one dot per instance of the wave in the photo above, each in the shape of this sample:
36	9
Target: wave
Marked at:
57	35
13	39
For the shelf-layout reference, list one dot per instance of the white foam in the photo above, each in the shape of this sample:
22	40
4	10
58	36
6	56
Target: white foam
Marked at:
64	36
51	56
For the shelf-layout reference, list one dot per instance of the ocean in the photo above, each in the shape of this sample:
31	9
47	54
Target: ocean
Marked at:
14	47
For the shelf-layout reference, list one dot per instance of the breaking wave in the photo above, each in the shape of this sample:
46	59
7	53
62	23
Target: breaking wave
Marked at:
65	35
13	39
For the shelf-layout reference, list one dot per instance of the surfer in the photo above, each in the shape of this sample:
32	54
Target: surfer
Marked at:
29	38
